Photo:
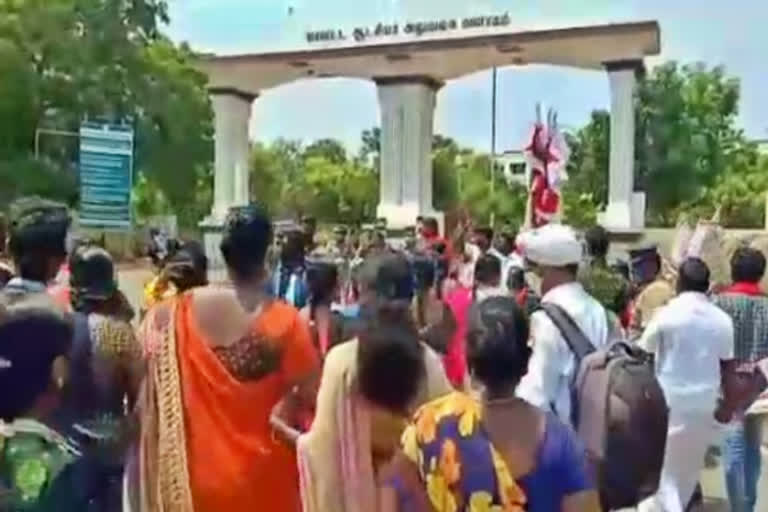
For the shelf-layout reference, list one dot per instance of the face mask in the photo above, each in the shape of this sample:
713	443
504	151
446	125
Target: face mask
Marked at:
347	310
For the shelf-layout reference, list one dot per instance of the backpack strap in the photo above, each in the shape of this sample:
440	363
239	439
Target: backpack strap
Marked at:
575	338
579	344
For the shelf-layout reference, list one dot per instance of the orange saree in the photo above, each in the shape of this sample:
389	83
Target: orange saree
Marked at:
234	461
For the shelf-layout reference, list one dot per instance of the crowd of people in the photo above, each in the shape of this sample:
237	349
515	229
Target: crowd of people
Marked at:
481	372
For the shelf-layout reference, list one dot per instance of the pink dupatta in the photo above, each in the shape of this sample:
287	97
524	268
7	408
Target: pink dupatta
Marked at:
334	457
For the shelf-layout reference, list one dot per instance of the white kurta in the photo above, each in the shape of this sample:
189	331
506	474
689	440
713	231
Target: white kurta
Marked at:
690	337
688	438
552	366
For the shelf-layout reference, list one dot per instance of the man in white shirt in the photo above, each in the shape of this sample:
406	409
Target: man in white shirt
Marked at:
692	340
554	253
488	278
504	249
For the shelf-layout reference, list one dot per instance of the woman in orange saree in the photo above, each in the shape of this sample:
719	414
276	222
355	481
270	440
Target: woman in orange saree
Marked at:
223	358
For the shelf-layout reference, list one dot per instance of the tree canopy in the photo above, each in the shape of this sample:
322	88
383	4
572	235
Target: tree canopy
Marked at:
690	156
64	61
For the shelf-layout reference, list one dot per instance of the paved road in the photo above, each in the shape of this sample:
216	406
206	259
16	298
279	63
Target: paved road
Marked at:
713	484
132	281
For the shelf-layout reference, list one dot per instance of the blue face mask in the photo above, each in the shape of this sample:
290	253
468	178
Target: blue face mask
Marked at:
347	310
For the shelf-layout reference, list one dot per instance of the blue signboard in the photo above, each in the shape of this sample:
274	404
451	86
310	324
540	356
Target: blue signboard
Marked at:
106	175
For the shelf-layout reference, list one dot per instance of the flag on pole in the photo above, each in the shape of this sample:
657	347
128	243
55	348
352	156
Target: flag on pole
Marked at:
547	155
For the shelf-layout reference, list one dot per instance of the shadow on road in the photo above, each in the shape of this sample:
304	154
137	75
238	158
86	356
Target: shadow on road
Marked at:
713	505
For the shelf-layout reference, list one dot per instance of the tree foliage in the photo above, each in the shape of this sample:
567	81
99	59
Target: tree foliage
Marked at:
689	153
23	176
63	61
319	180
687	115
588	164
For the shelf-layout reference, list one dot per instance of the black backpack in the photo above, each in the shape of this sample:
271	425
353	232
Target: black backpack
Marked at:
619	412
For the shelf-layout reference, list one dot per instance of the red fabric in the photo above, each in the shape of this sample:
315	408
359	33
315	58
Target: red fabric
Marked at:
431	241
626	316
59	289
545	200
745	288
522	297
60	294
455	360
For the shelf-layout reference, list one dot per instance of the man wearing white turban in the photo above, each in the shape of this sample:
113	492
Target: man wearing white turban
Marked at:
553	253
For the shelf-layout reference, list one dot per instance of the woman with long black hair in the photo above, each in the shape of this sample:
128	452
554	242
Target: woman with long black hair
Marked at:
495	452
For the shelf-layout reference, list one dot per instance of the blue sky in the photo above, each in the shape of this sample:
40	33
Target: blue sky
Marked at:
733	33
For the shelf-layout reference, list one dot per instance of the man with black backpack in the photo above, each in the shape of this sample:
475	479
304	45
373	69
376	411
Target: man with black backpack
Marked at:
554	253
583	371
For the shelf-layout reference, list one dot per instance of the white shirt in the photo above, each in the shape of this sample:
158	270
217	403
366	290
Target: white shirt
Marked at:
507	263
690	336
486	292
552	367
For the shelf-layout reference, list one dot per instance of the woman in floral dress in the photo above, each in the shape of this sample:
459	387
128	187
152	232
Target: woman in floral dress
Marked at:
493	454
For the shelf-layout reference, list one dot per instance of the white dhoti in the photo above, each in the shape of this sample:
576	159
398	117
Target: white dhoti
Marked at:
688	438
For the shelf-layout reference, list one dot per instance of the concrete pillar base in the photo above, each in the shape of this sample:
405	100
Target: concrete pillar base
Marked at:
623	216
212	234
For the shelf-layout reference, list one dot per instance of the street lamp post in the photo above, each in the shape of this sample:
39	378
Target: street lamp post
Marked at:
493	144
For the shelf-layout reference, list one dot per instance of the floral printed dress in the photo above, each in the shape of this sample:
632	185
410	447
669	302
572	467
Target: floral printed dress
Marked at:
32	457
456	462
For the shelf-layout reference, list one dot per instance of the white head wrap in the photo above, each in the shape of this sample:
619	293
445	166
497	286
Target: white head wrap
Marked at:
553	245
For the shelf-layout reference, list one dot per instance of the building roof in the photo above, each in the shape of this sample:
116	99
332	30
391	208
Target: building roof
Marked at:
436	59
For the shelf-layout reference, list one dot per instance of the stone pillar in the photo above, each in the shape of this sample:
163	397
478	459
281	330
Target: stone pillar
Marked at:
232	115
626	208
407	116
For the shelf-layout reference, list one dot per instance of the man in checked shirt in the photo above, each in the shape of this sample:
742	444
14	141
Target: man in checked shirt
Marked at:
747	305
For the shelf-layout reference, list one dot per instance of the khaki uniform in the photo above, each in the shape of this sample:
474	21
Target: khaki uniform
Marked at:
654	296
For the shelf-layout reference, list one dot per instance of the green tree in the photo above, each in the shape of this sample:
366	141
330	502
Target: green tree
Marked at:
339	192
330	149
66	60
371	146
319	180
174	130
24	176
507	202
739	192
266	177
687	141
588	164
446	162
687	115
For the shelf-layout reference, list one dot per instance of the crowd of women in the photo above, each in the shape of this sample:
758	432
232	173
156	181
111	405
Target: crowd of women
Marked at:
229	397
